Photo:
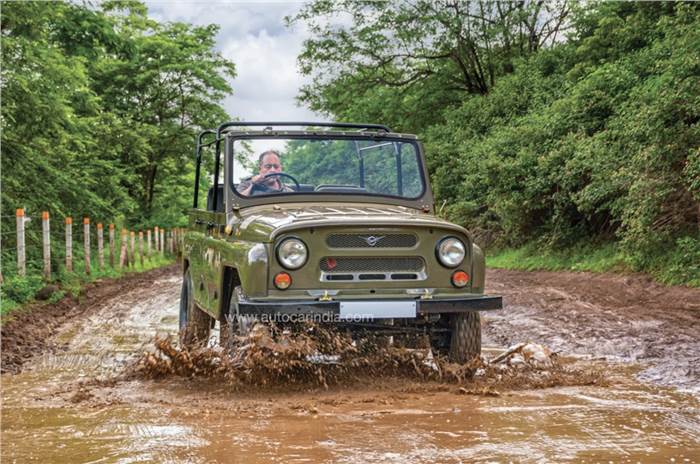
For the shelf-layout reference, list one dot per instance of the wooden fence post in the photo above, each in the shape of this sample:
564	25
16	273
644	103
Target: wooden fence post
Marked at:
132	235
46	241
69	244
100	246
111	245
148	240
141	247
155	239
21	258
86	242
129	257
122	249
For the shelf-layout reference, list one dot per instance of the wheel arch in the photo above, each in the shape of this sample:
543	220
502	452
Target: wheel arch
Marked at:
229	281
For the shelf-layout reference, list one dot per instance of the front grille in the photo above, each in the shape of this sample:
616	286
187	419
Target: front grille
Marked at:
365	240
372	264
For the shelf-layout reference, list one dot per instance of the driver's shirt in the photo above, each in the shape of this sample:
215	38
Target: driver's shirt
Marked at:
246	183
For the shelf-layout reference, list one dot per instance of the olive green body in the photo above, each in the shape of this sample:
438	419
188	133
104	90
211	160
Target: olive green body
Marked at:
240	250
237	247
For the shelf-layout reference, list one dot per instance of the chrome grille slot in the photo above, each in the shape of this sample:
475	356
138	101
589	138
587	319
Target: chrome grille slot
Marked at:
365	240
392	264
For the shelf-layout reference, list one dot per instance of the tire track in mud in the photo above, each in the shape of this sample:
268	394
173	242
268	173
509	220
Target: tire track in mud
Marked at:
619	317
67	407
31	331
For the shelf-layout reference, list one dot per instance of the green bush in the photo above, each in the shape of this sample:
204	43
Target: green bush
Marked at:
21	289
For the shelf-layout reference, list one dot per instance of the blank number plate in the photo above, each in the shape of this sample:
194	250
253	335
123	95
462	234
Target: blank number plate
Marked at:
357	310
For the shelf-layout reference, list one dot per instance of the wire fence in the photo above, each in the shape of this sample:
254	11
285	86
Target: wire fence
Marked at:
47	245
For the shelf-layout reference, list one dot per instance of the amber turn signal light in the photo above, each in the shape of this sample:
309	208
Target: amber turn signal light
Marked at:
460	279
283	281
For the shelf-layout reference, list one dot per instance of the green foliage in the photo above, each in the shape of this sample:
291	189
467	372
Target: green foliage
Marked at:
21	289
17	291
677	264
402	63
100	109
683	264
337	162
580	257
595	138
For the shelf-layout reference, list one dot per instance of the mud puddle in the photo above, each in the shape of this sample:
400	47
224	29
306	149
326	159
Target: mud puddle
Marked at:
75	405
613	316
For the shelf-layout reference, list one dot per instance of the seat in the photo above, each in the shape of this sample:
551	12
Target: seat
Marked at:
219	199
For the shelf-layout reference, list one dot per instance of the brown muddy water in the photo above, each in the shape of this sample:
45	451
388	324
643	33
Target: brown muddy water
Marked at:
72	406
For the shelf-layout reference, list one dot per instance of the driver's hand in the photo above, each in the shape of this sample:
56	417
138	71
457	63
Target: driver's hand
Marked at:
260	179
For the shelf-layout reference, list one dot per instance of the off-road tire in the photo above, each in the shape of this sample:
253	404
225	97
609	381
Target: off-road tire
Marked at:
234	325
194	322
224	332
465	337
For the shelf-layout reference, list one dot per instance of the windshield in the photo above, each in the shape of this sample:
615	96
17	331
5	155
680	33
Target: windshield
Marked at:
274	166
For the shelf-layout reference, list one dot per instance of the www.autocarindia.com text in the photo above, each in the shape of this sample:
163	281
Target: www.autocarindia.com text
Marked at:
317	318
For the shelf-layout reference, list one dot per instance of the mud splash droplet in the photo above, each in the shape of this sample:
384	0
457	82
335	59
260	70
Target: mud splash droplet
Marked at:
272	357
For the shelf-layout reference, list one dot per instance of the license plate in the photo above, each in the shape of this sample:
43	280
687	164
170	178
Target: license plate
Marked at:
359	310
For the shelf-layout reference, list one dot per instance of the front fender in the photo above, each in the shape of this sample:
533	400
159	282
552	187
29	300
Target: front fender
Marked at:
251	260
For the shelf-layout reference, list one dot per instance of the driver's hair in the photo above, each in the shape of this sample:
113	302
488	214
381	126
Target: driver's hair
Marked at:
265	153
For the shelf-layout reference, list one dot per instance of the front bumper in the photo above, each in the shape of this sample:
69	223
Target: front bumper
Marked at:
333	308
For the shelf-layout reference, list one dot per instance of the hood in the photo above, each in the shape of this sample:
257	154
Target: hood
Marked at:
264	223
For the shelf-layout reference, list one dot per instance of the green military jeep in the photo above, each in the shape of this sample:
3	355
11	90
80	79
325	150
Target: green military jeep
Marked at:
332	223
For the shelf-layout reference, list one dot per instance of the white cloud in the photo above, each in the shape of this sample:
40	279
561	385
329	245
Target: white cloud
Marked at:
254	37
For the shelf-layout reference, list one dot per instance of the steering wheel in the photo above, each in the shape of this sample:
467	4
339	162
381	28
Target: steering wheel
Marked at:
262	188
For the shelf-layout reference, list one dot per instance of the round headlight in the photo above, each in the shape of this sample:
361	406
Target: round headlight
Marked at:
451	251
291	253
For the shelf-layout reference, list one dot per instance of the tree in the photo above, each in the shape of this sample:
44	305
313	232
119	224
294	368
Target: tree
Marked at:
168	85
450	47
100	109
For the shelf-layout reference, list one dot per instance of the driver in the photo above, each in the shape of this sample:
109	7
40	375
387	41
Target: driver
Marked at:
269	163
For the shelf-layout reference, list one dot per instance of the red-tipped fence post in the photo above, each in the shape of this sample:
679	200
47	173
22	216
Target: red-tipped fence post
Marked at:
46	241
69	244
132	235
141	247
100	246
122	249
111	245
156	238
21	250
86	243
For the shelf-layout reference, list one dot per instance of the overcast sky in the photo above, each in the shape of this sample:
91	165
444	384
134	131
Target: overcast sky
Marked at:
252	35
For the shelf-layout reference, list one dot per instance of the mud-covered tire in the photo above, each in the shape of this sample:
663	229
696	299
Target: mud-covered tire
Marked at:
233	325
194	322
224	333
465	337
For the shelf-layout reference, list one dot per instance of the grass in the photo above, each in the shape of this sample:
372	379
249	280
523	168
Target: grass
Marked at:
18	291
676	265
530	257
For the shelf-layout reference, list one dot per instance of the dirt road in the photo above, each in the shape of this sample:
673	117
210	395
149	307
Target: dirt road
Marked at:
66	406
627	318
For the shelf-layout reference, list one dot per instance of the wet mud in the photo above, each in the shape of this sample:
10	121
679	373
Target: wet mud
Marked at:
29	332
615	317
111	395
